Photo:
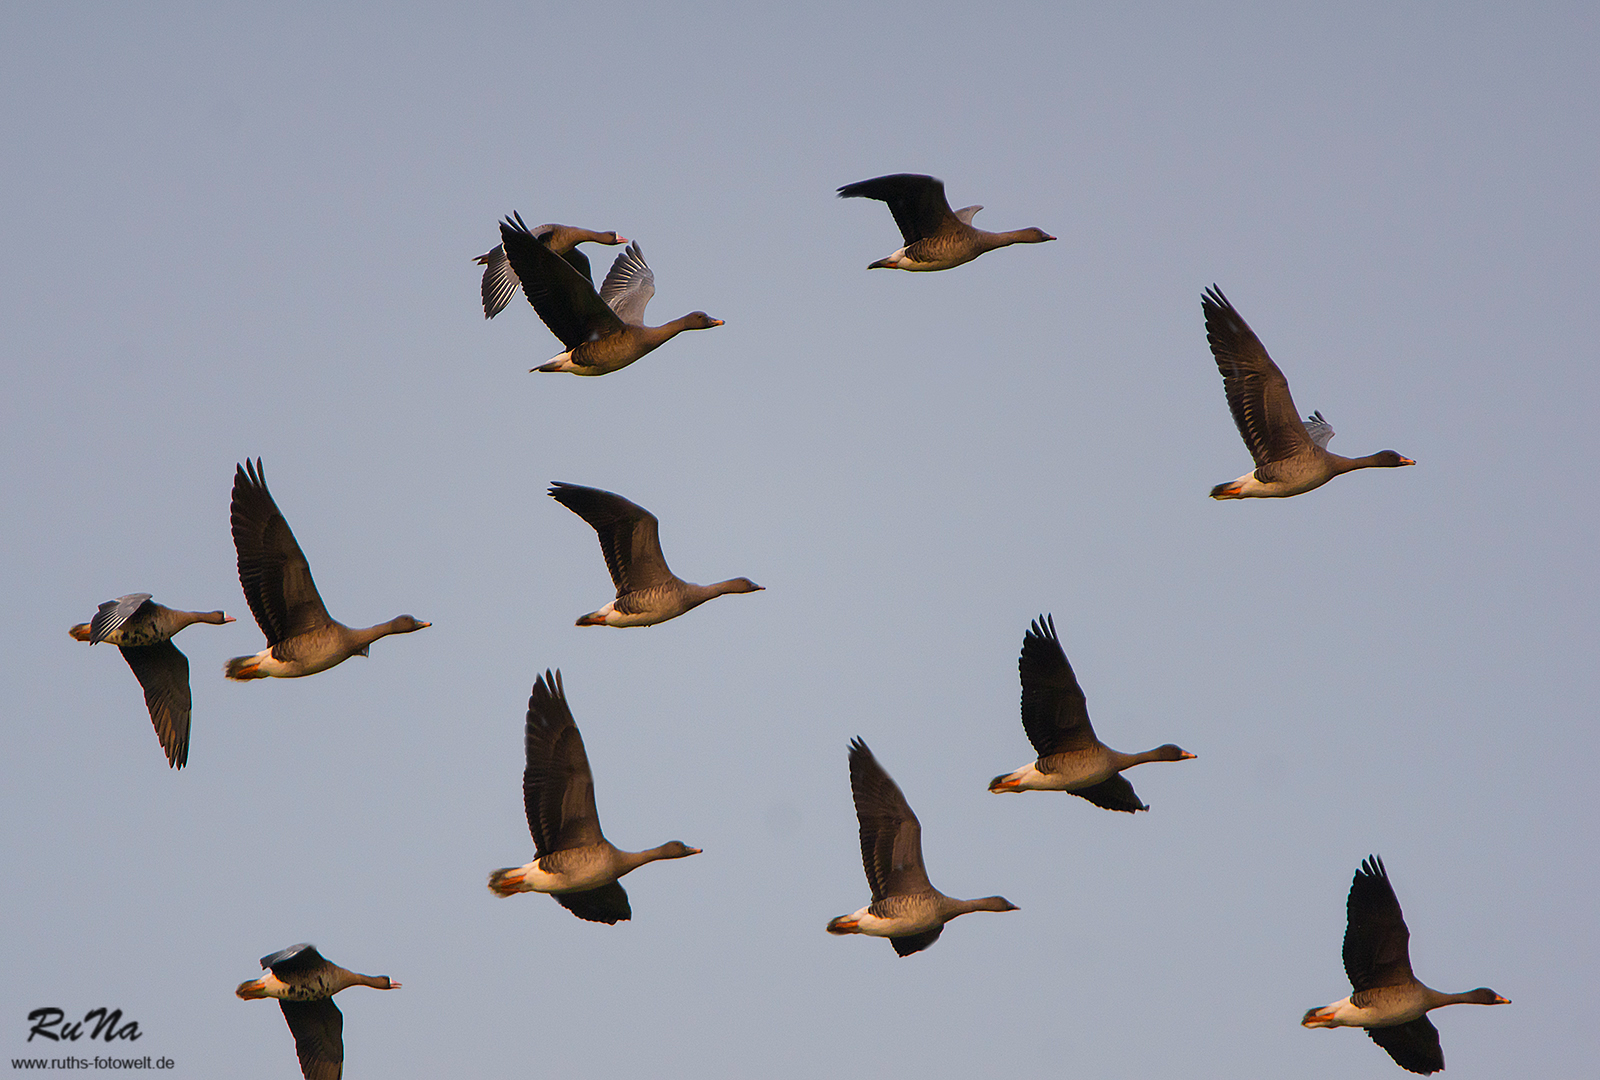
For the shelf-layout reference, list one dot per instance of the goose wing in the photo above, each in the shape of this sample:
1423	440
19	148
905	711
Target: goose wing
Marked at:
302	957
1414	1045
163	672
891	836
564	298
629	536
629	285
916	201
1318	430
1376	941
1258	394
500	282
272	569
906	944
1055	712
607	904
1113	794
557	787
110	616
318	1028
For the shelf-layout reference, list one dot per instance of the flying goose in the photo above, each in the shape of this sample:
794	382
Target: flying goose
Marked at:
937	237
302	638
500	282
1055	715
905	907
1388	1001
647	591
602	331
1291	456
573	861
143	630
304	984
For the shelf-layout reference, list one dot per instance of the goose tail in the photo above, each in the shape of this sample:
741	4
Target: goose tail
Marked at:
508	881
243	668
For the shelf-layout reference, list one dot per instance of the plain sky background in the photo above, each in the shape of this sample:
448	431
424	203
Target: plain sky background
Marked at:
241	230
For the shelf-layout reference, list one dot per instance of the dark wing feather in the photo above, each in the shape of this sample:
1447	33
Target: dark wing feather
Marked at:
1258	394
629	536
891	836
272	569
1376	941
917	202
607	904
557	788
564	298
579	262
550	234
113	613
500	281
906	944
1414	1045
163	671
1113	794
1054	711
318	1028
302	957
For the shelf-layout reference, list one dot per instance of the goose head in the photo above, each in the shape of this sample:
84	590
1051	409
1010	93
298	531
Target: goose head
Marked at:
676	849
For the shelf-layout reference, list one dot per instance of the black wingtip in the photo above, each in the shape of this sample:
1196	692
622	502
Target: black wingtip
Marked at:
304	952
549	684
546	697
572	496
251	473
512	226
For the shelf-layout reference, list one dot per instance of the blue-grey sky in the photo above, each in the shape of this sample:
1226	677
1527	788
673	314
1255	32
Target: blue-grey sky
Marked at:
243	230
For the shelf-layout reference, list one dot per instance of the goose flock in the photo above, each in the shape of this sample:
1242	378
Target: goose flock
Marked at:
603	331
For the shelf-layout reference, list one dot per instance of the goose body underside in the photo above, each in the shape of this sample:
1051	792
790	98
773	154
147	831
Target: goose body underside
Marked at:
1252	486
644	608
1346	1013
618	614
1061	772
582	361
1383	1007
543	876
279	662
892	917
611	352
922	256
